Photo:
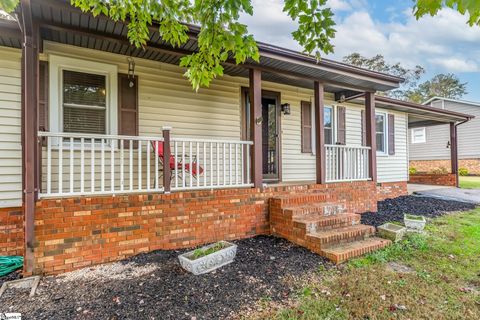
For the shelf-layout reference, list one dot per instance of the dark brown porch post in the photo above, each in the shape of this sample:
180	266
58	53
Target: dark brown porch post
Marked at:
29	128
320	162
255	94
371	133
454	149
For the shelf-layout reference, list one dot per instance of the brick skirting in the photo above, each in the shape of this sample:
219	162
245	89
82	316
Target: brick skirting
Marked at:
389	190
472	165
71	233
448	179
78	232
11	232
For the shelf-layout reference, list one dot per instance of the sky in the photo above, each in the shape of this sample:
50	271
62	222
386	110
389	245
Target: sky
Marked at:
441	44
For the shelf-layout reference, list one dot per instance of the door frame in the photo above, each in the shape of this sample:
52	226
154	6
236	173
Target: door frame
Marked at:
243	123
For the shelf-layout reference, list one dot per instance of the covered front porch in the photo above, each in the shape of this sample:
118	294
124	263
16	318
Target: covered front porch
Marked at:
121	156
267	122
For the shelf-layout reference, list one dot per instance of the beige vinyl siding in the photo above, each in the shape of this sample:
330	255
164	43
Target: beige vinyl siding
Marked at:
10	128
392	168
167	99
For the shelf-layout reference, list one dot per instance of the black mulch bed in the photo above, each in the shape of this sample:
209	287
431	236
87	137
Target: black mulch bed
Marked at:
258	272
394	209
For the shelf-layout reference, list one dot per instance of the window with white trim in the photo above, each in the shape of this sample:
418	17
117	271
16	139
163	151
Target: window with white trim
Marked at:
84	102
381	132
328	125
419	135
82	96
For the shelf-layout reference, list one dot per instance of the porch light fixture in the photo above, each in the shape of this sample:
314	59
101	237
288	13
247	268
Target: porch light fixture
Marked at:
131	72
286	108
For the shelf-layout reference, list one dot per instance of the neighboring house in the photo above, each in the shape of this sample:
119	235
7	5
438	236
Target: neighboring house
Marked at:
430	147
107	152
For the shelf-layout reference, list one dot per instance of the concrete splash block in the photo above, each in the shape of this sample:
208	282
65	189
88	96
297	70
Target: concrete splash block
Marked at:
19	284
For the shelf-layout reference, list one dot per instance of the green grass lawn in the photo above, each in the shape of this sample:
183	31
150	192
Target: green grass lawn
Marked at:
470	182
443	280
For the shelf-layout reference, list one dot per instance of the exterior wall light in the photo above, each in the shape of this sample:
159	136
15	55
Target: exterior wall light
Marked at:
286	108
131	72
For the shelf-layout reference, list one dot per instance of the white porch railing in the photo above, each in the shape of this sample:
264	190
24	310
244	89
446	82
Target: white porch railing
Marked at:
85	164
210	164
346	163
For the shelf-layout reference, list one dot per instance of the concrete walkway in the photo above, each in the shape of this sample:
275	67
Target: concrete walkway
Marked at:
446	193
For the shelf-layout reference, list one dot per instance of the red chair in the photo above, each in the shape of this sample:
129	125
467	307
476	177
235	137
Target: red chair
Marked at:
190	168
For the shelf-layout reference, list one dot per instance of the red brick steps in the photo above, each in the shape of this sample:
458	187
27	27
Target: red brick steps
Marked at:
342	235
323	227
342	252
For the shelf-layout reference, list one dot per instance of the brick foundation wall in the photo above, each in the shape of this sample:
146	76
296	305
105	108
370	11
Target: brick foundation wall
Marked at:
449	179
390	190
78	232
472	165
11	232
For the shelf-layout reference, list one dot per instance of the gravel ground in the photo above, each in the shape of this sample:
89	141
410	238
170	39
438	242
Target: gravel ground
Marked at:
394	209
153	286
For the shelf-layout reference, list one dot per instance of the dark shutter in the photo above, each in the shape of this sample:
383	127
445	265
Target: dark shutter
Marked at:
341	127
306	114
127	106
43	96
391	134
364	128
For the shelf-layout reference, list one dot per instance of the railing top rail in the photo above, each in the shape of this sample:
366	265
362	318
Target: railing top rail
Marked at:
346	146
211	140
122	137
95	136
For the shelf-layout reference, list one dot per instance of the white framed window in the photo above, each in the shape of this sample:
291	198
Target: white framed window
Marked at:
419	135
83	96
381	133
328	123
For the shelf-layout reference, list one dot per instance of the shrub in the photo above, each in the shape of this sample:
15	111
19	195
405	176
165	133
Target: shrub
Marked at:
463	171
412	170
441	170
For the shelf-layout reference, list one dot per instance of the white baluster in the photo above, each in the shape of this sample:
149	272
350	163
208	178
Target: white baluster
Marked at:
236	164
190	175
122	164
183	164
82	165
156	164
204	164
140	184
198	167
92	165
224	165
218	163
71	165
102	173
49	165
130	164
60	166
112	165
176	163
148	164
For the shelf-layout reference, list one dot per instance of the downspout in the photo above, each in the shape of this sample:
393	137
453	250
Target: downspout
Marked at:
29	129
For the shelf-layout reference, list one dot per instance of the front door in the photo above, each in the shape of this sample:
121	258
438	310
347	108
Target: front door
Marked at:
270	132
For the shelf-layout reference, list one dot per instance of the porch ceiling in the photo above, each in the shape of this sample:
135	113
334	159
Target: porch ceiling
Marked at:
59	22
